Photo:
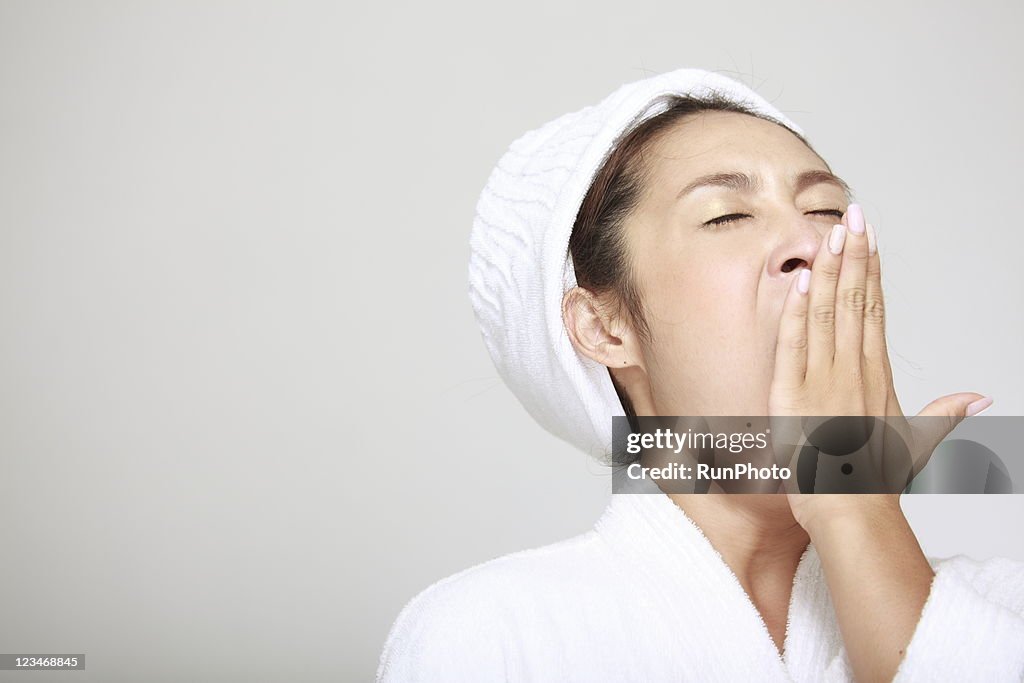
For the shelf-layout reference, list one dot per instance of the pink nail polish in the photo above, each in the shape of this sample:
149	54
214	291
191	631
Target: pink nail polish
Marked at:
803	280
855	219
836	239
978	406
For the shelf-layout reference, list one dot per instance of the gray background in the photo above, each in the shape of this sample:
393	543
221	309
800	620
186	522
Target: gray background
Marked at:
245	411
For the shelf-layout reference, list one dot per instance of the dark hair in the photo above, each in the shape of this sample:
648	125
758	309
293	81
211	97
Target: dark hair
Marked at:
598	242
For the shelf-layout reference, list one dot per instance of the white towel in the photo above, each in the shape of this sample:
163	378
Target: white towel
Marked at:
520	267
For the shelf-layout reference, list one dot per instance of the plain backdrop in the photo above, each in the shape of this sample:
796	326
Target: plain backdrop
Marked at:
245	411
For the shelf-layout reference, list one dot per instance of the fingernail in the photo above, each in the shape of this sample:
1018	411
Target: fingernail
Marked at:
803	280
872	240
855	218
837	239
978	406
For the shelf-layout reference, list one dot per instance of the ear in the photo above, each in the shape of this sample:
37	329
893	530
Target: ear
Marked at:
596	333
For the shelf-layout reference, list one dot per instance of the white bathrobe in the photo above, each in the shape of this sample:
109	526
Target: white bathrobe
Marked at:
644	596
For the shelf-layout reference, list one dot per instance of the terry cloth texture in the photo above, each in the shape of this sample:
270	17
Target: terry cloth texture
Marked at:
644	597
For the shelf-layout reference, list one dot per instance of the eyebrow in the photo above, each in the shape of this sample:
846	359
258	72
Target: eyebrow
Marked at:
741	182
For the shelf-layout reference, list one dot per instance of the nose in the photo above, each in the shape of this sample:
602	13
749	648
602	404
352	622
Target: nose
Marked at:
798	248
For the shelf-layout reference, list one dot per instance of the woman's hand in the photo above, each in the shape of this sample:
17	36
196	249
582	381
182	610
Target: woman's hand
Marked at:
832	360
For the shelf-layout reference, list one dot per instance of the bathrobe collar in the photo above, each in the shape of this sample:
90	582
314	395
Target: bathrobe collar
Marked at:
666	550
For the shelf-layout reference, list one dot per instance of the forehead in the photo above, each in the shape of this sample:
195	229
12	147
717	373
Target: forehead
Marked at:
722	141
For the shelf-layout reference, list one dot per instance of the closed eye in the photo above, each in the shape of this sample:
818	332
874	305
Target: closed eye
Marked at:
722	220
733	217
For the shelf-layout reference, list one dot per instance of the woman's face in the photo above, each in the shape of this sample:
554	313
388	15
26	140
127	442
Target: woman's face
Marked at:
714	293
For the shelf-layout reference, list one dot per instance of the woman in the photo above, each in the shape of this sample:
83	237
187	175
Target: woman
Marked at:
680	249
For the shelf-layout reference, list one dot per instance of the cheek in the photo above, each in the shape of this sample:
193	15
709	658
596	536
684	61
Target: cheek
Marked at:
703	316
704	294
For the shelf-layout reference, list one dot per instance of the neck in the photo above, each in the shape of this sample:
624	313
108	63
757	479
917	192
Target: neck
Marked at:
756	534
